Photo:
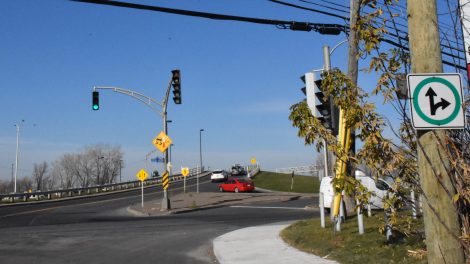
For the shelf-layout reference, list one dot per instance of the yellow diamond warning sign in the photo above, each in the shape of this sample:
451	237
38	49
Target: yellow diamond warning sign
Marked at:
142	175
185	171
162	141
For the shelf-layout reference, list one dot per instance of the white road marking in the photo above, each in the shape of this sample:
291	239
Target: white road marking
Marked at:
268	207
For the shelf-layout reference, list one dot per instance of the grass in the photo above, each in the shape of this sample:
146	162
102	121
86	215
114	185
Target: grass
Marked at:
348	246
282	182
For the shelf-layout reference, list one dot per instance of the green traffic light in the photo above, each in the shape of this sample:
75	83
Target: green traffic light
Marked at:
95	105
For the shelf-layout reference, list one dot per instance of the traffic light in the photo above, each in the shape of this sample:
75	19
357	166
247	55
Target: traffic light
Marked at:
318	103
96	101
176	82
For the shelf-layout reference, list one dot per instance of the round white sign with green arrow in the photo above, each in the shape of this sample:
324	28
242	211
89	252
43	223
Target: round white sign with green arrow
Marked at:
436	101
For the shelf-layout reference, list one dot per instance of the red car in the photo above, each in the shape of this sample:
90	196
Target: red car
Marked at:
236	185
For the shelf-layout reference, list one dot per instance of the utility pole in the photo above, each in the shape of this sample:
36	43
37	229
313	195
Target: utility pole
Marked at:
441	221
346	135
353	53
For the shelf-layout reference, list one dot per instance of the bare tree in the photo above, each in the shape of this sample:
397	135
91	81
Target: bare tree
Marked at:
98	164
39	172
24	184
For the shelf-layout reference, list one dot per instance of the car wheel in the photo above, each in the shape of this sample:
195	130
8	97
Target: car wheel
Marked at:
236	190
221	189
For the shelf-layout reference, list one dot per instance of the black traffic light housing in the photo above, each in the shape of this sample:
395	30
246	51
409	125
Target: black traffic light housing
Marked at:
176	83
96	101
329	113
320	105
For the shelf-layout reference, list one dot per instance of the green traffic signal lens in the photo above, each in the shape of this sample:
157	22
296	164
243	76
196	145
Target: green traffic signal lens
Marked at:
95	105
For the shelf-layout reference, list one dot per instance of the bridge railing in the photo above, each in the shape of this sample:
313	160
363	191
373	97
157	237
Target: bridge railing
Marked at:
93	190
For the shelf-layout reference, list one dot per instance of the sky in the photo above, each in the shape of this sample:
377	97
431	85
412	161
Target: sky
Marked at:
238	82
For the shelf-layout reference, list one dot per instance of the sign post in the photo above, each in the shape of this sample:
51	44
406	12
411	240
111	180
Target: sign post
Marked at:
185	173
142	175
162	142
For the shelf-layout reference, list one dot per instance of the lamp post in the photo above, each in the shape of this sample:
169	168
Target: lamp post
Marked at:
200	147
200	157
17	125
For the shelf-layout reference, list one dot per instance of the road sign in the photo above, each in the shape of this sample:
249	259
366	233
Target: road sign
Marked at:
436	101
165	180
185	171
158	159
142	175
253	161
162	141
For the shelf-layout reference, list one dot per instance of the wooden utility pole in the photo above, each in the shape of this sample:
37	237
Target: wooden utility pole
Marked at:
441	221
353	53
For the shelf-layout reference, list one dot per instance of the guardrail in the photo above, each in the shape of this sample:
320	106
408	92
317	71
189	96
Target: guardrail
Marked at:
91	190
252	170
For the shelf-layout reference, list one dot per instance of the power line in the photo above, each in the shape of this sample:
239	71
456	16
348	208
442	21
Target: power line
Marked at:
309	9
333	29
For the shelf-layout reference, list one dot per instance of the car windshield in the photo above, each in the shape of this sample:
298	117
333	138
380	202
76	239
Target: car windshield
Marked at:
381	185
217	172
243	180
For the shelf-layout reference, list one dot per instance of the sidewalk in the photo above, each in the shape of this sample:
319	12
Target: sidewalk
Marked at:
261	244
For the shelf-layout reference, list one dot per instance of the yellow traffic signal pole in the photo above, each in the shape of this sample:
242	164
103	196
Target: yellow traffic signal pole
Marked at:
344	138
344	132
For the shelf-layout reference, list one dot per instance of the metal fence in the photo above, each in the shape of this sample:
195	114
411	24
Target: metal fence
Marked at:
312	170
93	190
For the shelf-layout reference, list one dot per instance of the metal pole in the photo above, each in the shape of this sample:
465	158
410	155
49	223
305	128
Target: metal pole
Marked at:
166	200
17	150
200	147
197	179
327	66
360	219
142	184
12	173
184	184
322	211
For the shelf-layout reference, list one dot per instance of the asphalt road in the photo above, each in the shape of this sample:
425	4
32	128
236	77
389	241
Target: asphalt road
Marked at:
99	229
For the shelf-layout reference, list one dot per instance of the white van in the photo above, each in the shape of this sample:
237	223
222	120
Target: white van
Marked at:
378	188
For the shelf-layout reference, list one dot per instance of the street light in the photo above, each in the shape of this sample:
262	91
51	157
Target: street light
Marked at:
200	157
17	125
200	146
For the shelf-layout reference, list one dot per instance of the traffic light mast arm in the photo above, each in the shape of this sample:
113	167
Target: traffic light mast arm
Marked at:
150	102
